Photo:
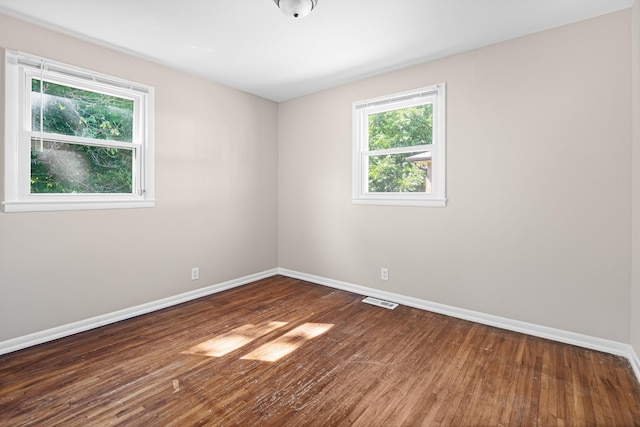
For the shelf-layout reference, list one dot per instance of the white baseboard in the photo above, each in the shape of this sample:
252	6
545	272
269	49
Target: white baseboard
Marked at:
580	340
635	362
95	322
585	341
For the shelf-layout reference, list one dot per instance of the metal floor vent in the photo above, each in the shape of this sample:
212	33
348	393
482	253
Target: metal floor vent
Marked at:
380	303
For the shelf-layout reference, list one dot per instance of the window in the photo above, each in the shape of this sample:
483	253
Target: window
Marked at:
74	139
399	148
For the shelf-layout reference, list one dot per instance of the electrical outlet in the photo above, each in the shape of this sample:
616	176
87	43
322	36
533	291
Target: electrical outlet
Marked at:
195	273
384	273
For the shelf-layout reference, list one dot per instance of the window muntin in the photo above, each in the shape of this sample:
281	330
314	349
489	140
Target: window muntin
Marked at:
399	148
75	139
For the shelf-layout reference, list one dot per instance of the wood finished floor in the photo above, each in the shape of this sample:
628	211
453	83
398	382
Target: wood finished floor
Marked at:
352	364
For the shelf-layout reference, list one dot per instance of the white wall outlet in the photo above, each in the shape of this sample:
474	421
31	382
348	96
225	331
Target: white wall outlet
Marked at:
384	273
195	273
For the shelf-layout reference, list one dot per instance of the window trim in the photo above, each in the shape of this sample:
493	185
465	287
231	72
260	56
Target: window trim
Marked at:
362	109
19	68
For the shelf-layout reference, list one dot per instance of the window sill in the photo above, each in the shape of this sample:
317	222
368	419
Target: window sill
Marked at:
74	206
399	201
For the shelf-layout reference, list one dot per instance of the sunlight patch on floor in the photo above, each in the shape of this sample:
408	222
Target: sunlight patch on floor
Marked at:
233	340
287	343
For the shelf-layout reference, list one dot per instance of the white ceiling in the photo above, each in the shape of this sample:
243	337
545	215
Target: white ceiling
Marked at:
250	45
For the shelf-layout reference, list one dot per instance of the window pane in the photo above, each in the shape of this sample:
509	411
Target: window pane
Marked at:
400	173
58	167
405	127
77	112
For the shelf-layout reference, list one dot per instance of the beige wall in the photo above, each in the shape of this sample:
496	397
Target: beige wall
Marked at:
538	223
635	283
216	189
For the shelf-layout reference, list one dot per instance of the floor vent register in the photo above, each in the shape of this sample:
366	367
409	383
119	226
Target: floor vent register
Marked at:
380	303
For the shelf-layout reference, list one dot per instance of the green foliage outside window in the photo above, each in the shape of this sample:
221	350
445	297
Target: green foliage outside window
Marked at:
405	127
63	167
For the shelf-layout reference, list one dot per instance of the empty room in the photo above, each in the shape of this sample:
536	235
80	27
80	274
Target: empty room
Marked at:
320	213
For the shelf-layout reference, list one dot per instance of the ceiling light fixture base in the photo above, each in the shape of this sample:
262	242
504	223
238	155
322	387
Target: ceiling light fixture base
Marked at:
296	8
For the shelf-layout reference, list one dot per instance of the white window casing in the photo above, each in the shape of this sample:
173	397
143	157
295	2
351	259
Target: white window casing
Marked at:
434	95
19	70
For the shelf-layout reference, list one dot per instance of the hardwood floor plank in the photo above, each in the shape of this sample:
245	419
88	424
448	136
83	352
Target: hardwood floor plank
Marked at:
371	367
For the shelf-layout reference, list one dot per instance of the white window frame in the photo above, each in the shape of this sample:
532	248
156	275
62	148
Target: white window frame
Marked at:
19	69
436	95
